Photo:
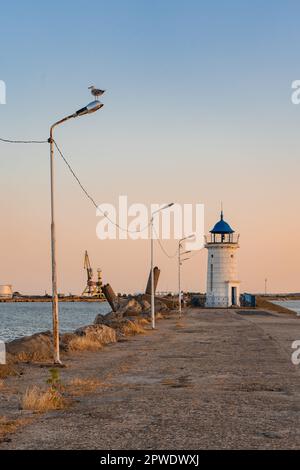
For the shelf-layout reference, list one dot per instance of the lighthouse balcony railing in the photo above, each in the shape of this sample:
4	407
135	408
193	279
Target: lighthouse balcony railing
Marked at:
226	238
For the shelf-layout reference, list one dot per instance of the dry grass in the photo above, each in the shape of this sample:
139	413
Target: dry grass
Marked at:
1	384
9	426
82	343
37	399
143	321
34	356
6	370
78	386
131	328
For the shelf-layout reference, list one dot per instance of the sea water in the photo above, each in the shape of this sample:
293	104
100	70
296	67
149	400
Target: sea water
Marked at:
26	318
291	304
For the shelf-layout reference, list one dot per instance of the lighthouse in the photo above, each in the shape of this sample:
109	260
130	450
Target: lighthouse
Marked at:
222	276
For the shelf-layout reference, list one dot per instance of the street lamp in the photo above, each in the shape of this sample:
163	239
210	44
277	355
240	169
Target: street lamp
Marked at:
152	274
88	109
179	266
266	281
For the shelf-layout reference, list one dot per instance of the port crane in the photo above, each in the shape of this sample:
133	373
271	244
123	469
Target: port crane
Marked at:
92	288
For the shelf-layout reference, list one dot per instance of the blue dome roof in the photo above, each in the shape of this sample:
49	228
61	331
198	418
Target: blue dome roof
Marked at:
222	227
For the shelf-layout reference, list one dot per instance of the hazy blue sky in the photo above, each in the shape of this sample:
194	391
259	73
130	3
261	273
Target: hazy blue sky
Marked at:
197	109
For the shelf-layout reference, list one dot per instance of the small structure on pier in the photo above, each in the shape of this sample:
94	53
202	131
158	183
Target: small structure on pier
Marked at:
222	275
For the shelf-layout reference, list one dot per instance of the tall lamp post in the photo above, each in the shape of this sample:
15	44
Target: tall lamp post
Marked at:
152	274
180	253
266	281
90	108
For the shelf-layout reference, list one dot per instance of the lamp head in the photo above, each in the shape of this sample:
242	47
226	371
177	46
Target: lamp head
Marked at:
89	108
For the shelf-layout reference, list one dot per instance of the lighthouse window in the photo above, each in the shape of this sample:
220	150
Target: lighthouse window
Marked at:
231	256
212	256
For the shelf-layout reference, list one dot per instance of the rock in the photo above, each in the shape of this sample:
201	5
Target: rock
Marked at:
160	306
66	339
122	325
100	319
131	308
98	333
107	319
128	308
31	348
127	327
145	305
10	368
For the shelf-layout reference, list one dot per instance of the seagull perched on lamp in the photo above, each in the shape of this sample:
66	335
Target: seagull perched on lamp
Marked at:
96	92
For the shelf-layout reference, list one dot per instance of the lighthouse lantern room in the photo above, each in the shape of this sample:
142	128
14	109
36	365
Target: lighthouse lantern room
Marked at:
222	278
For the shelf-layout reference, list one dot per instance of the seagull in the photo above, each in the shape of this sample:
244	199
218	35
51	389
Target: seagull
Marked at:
96	92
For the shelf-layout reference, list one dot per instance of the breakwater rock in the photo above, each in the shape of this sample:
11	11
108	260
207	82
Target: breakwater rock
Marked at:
132	315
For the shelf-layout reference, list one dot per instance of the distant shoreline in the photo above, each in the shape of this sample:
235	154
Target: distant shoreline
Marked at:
280	296
49	299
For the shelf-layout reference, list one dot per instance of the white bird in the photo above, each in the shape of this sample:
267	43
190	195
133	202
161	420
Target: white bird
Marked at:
96	92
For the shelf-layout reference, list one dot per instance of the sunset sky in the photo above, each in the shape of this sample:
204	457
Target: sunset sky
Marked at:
197	110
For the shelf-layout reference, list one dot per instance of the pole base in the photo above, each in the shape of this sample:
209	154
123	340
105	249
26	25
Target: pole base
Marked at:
52	364
59	364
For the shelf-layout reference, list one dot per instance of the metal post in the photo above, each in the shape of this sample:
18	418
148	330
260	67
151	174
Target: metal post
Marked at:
152	281
180	261
90	108
53	259
179	286
266	280
152	273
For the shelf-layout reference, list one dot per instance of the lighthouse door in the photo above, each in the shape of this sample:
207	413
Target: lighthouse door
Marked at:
233	295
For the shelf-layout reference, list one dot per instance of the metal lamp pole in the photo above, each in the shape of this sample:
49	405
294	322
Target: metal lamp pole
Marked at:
266	280
152	258
179	266
179	278
90	108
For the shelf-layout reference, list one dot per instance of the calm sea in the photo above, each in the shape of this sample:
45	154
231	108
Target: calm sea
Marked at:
22	319
291	304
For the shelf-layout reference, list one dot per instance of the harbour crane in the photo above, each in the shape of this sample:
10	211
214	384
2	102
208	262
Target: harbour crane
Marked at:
90	285
92	288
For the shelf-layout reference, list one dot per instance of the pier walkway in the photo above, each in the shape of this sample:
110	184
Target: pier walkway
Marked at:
216	379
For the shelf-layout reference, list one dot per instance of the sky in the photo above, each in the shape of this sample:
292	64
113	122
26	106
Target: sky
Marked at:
197	109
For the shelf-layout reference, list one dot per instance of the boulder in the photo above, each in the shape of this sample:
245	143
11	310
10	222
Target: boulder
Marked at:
131	308
65	340
107	319
127	327
160	307
146	306
31	348
101	334
162	302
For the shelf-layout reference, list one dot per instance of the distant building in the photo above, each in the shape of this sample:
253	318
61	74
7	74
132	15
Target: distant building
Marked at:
222	276
6	291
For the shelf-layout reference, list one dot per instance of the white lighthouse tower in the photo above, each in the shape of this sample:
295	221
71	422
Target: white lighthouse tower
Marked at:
222	277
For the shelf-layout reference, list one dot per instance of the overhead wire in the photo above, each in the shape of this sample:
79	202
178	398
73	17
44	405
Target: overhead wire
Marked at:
162	247
92	199
9	141
87	194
